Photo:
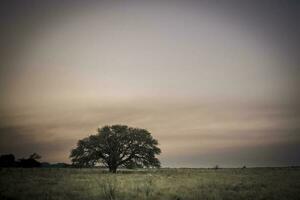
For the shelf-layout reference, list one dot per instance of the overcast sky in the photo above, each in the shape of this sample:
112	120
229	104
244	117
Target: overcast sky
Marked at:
216	82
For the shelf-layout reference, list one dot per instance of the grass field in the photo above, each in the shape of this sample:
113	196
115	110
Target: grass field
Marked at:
92	184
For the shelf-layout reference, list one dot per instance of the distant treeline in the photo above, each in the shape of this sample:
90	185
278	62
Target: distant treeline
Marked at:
8	161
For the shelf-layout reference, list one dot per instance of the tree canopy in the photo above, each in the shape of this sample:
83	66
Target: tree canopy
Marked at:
116	146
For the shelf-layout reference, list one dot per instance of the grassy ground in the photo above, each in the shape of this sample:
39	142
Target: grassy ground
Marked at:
185	184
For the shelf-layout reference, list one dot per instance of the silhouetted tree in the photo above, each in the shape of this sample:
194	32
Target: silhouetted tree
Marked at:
7	160
116	146
31	161
35	156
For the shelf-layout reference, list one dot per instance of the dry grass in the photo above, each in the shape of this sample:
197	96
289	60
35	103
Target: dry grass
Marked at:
183	184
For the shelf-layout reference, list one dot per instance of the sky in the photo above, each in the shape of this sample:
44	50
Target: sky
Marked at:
216	82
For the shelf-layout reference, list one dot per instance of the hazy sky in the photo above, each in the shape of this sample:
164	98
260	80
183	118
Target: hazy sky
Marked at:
216	82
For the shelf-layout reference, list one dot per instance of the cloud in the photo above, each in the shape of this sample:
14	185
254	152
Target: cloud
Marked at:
23	141
202	77
257	155
183	129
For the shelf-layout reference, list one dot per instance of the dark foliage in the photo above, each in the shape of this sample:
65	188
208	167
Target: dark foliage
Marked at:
7	160
29	163
55	165
117	146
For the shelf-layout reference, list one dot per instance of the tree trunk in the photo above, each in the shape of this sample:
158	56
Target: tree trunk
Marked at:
113	169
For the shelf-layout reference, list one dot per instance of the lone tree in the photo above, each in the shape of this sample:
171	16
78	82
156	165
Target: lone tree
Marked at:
116	146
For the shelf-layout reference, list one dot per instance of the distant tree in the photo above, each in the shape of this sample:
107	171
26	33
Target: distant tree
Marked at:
35	156
31	161
54	165
7	160
45	165
116	146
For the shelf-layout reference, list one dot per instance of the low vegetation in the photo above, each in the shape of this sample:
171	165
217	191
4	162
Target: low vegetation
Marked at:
170	184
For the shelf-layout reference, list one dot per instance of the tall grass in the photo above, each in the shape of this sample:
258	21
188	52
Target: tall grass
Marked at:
109	188
169	184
